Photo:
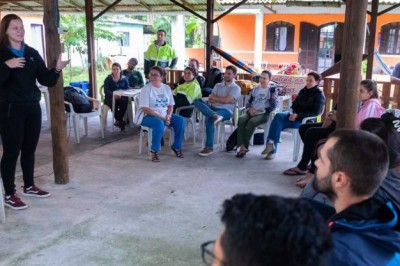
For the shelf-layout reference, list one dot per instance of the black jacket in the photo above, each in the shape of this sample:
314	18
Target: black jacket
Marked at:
309	102
18	85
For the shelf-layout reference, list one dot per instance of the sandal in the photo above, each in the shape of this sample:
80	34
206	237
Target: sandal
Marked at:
241	153
154	156
178	153
294	171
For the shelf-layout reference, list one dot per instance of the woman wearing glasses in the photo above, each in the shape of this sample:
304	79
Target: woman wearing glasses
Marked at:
156	101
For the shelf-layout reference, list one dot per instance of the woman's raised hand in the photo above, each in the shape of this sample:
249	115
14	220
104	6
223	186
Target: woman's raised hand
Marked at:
61	64
16	62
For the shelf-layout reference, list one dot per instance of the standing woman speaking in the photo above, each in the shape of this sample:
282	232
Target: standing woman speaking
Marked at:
20	112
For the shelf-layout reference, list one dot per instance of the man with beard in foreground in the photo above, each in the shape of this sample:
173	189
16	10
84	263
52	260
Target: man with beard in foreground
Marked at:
351	166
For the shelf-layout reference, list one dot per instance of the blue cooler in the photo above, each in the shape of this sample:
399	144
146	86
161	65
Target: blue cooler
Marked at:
84	85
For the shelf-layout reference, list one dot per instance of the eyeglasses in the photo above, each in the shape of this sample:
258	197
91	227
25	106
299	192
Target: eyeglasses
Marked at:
207	253
154	75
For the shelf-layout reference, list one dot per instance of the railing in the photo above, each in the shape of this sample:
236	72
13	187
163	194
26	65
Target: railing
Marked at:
174	75
389	94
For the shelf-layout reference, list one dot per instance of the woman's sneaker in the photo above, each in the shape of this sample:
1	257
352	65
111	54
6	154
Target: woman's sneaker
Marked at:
34	191
14	202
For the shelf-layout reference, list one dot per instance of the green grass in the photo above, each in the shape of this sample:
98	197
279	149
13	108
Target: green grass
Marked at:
75	74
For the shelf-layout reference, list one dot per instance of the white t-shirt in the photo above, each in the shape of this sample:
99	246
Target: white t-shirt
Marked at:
157	99
223	90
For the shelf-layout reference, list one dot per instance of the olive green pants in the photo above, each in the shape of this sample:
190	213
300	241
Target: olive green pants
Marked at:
246	127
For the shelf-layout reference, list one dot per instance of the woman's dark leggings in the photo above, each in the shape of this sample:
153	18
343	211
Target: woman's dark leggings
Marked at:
120	107
310	134
20	130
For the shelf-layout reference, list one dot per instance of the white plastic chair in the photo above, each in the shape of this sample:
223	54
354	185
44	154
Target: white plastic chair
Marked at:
2	208
189	120
76	117
46	94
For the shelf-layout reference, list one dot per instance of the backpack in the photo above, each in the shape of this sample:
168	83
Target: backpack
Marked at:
231	143
79	102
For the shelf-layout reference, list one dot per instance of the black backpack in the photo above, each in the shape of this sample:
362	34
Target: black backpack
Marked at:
79	102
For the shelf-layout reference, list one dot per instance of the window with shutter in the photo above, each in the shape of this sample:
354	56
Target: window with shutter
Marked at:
280	36
390	39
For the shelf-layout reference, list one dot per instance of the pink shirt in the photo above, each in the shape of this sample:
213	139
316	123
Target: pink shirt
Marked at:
370	108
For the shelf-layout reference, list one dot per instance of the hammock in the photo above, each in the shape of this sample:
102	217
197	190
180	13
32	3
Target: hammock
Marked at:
385	68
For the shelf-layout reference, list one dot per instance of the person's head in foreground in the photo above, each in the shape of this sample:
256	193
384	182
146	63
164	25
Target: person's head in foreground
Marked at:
268	231
351	166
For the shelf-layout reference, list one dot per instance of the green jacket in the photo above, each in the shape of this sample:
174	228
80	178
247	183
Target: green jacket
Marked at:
192	90
159	56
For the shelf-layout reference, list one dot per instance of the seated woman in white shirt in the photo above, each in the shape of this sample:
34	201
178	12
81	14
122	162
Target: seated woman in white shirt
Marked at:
156	102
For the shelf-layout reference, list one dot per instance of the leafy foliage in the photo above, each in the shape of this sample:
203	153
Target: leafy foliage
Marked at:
194	32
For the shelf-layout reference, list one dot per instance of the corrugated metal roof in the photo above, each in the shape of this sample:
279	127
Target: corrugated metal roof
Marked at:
137	6
144	6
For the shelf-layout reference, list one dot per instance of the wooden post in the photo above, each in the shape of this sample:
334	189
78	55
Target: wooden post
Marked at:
372	34
350	73
209	25
91	48
58	119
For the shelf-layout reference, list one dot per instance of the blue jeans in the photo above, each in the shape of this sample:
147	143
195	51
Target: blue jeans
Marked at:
279	123
208	113
157	125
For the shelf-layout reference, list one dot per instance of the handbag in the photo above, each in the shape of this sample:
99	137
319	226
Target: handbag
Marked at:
138	117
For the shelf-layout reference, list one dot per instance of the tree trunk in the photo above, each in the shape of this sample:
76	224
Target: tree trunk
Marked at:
58	119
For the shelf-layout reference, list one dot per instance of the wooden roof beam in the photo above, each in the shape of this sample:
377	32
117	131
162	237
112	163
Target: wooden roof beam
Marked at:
145	5
229	11
189	10
270	8
388	9
105	10
73	3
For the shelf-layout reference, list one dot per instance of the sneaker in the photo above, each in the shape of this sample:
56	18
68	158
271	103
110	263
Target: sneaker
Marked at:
270	156
122	125
217	118
14	202
268	148
34	191
206	151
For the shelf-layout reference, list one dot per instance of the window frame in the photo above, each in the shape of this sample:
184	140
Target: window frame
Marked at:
273	35
390	39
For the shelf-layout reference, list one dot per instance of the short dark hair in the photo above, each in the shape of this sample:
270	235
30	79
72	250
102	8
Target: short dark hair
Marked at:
271	230
363	156
159	69
370	85
134	60
232	68
197	61
267	72
162	31
316	75
191	69
117	65
5	22
384	129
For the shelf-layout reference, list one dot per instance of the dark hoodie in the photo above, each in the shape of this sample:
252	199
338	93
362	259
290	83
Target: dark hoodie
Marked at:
18	85
309	102
363	234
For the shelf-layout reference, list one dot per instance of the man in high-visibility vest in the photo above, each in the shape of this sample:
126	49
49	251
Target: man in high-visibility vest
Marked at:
160	54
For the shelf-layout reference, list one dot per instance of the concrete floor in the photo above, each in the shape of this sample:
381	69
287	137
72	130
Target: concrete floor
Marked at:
119	208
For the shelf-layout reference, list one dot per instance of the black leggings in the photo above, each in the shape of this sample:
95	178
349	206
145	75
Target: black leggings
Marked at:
20	130
120	107
310	134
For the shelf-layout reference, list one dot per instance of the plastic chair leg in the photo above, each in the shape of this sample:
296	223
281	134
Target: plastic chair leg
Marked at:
75	120
2	210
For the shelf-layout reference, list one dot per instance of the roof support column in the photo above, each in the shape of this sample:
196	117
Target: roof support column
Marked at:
178	40
209	25
350	72
372	35
91	47
58	118
258	40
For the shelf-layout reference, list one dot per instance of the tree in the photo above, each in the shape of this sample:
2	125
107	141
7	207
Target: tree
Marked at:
194	36
75	35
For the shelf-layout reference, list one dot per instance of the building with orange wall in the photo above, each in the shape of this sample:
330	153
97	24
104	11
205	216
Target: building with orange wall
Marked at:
240	36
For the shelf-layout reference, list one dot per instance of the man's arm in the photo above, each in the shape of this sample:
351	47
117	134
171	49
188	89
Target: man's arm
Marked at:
225	99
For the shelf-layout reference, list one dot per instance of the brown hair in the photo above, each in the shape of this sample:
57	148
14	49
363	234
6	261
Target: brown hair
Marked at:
232	68
370	86
5	22
316	76
159	70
